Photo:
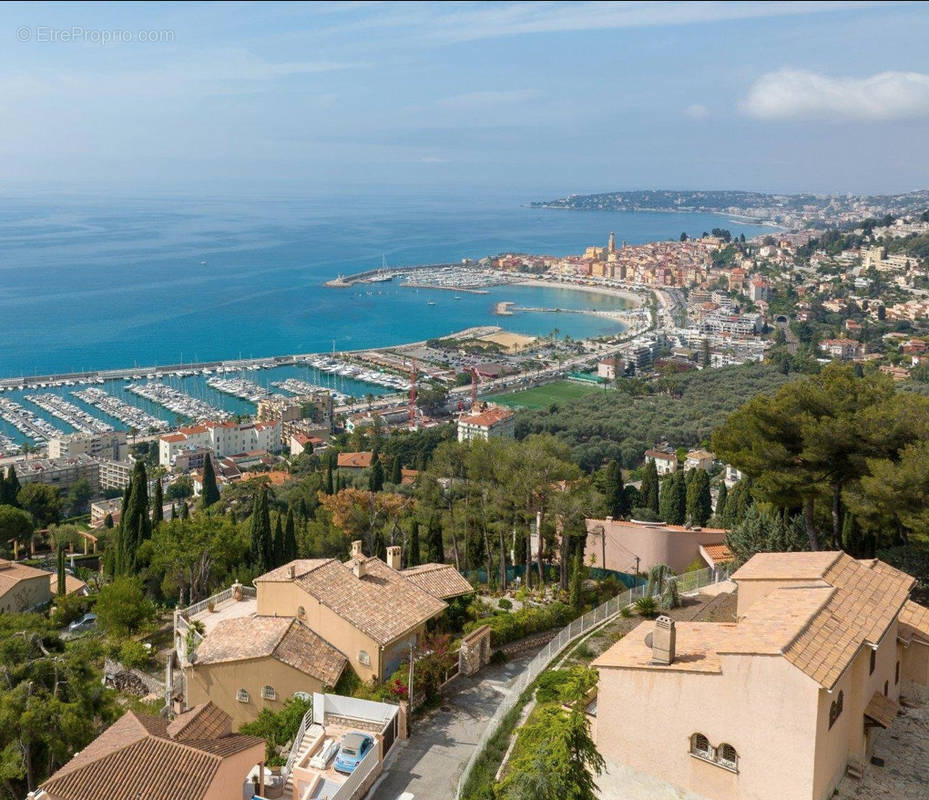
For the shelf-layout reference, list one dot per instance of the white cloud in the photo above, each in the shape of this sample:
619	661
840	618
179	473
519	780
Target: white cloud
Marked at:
470	101
697	112
801	94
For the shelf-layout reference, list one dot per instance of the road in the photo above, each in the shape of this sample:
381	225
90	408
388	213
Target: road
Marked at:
428	764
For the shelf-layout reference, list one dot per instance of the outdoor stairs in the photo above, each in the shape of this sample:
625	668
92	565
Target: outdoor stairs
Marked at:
854	769
305	746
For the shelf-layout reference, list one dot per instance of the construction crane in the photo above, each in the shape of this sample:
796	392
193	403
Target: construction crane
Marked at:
474	380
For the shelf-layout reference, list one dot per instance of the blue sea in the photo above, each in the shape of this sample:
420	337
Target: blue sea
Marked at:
93	282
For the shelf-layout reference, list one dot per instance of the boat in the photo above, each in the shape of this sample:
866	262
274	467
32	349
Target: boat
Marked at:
431	303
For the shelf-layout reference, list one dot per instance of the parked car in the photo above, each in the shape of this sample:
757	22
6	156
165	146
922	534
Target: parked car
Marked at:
86	623
355	746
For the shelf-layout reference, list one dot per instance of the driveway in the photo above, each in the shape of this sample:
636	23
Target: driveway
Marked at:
428	764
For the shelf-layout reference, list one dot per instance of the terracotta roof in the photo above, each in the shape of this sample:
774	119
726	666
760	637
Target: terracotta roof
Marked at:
660	454
301	566
382	604
719	553
72	585
284	638
488	418
696	645
360	460
882	710
12	573
204	721
174	437
787	566
137	759
439	580
913	622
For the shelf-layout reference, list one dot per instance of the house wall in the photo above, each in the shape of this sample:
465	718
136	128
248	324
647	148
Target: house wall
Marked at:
761	705
653	545
230	777
221	682
914	663
26	594
285	598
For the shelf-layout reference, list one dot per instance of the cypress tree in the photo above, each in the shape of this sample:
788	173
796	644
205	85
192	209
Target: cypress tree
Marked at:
616	498
699	500
278	551
12	486
108	522
329	485
721	500
185	510
210	493
435	548
62	584
262	546
158	502
290	538
412	551
577	578
396	472
649	493
680	497
376	476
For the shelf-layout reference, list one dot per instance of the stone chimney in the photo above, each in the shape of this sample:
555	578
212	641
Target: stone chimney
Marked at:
394	557
291	571
663	641
356	549
359	567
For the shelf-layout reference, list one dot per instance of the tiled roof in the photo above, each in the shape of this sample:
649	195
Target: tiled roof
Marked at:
137	759
204	721
382	604
439	580
72	584
719	553
301	566
284	638
786	566
488	418
360	460
12	573
914	622
882	710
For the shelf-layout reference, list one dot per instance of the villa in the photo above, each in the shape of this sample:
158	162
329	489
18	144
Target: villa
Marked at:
782	703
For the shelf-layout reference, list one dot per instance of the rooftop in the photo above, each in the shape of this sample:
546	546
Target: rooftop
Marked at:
361	460
488	418
439	580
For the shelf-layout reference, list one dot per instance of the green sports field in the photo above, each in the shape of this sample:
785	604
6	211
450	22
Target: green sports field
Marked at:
544	396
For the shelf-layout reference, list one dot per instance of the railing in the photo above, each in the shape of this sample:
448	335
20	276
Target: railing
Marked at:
295	747
359	775
216	599
688	582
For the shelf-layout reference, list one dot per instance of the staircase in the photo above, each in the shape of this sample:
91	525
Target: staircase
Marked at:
299	749
854	769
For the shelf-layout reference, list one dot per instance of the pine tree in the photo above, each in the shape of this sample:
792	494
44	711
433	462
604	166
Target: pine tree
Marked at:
379	547
330	488
412	550
376	476
210	493
396	472
721	500
435	548
290	538
649	492
699	499
158	502
278	549
262	545
62	581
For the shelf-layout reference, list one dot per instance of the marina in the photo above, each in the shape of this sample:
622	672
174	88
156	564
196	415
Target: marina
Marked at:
26	422
238	387
300	388
132	417
78	419
178	402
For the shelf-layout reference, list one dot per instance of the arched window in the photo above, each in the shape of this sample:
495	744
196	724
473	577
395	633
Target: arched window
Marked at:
727	757
364	658
700	746
835	710
268	693
242	696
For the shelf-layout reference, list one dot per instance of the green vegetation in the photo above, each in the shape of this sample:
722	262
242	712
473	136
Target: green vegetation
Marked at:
542	397
508	627
278	728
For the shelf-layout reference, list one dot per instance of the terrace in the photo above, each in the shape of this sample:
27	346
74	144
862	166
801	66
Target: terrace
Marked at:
236	601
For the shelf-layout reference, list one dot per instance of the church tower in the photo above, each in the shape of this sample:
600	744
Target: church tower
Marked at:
611	247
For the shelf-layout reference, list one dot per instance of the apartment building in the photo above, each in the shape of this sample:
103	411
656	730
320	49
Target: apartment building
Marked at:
111	445
495	422
221	439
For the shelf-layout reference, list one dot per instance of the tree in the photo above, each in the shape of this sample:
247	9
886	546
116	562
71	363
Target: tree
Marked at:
396	471
435	547
330	489
617	500
764	532
577	583
15	526
662	583
158	502
699	499
62	585
412	550
290	538
210	492
122	606
79	496
262	543
108	522
278	542
376	475
721	499
135	527
673	500
649	492
181	488
42	501
9	487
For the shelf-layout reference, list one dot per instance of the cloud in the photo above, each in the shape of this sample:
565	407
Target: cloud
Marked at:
697	112
800	94
471	101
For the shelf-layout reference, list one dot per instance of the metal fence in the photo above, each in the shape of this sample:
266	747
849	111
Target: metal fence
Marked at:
688	582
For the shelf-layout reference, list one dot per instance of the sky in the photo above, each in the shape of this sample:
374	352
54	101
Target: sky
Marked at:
530	100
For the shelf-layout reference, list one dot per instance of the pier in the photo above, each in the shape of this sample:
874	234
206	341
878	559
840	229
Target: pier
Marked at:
347	281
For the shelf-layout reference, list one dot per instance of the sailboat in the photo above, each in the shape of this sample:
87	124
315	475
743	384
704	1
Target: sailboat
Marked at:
383	275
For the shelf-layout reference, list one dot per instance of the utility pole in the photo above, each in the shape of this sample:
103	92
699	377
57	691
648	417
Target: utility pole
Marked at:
410	687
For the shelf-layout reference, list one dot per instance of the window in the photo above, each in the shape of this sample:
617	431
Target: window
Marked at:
242	696
727	757
268	693
886	687
897	674
364	658
873	662
835	710
700	746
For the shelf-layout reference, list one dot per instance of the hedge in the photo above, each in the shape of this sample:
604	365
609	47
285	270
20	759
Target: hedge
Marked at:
508	627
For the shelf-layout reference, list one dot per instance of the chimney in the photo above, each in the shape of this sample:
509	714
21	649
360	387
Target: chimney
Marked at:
393	557
358	567
356	549
290	571
663	640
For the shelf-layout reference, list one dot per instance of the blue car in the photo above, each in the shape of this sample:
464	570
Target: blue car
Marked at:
355	746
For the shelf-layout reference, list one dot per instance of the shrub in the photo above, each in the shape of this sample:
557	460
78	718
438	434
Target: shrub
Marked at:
505	604
134	655
646	606
644	515
69	608
525	622
625	611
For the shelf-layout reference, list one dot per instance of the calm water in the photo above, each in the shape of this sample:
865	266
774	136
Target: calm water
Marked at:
93	283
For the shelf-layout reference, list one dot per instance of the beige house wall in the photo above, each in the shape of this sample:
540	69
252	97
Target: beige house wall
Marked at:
231	775
285	598
221	683
653	545
914	663
778	725
26	594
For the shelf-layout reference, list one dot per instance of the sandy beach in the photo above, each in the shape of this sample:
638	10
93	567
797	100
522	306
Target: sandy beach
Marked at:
631	297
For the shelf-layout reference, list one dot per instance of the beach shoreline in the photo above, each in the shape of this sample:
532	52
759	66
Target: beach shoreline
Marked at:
625	294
